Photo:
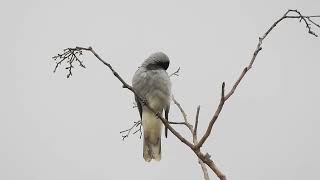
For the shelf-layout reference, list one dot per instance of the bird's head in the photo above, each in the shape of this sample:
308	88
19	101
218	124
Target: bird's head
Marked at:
157	60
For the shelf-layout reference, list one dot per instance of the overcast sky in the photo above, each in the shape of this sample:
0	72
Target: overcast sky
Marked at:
54	128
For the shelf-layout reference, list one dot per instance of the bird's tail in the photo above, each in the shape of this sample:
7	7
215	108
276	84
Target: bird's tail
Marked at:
151	150
151	136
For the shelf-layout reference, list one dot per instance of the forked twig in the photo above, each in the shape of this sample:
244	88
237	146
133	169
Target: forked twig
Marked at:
176	73
69	55
126	133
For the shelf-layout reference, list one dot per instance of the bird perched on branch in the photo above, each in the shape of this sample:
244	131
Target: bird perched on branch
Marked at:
152	83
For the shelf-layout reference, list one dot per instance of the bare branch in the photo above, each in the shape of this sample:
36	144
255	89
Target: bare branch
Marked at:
194	135
259	48
314	23
182	123
126	133
189	126
203	159
70	56
302	18
176	73
305	19
207	160
196	121
195	141
204	169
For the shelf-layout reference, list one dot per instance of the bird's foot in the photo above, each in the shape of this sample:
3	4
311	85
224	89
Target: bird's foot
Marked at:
144	101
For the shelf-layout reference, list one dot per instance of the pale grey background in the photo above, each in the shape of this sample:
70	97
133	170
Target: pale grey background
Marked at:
55	128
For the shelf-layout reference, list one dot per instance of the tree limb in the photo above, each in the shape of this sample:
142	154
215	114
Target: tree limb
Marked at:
70	56
223	99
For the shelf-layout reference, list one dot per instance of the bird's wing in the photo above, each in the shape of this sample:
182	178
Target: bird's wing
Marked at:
139	106
166	115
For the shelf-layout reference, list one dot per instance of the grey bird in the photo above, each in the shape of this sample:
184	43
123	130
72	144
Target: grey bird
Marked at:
152	83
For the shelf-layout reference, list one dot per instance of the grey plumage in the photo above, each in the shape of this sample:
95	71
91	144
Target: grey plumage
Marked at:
152	83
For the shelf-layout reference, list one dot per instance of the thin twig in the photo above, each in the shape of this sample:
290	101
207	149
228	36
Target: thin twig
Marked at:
126	133
196	121
69	55
189	126
314	23
195	141
172	122
176	73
